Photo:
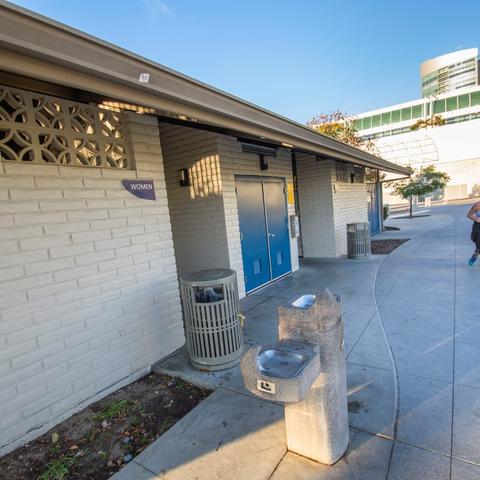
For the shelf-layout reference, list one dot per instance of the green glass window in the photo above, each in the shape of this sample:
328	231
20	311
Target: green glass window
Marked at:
475	98
438	106
386	118
367	123
357	124
376	120
406	114
463	101
396	115
451	104
417	111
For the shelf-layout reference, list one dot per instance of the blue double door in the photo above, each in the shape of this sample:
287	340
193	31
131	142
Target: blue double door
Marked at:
262	212
374	209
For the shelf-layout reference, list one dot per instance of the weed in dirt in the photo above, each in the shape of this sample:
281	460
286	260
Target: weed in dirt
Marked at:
58	469
113	410
55	450
141	411
166	424
135	421
180	385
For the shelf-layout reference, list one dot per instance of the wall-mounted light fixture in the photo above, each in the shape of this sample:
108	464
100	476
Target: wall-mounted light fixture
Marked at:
184	177
263	162
261	150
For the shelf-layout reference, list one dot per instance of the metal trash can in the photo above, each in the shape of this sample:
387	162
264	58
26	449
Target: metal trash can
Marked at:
213	326
358	240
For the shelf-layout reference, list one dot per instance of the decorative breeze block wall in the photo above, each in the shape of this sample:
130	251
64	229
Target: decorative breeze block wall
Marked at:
37	128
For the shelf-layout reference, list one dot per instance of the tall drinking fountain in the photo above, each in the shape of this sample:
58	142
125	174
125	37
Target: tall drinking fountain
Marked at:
306	371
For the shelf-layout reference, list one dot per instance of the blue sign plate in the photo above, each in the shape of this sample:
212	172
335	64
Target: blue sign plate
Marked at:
141	188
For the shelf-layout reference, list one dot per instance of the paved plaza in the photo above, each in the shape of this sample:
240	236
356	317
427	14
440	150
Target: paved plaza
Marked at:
412	343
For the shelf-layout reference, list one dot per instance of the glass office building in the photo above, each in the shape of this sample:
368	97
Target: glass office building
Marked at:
450	88
403	133
449	72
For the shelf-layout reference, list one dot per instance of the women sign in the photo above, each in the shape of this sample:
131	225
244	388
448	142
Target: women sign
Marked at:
141	188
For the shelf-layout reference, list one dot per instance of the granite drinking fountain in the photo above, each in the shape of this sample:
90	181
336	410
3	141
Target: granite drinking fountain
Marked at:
305	370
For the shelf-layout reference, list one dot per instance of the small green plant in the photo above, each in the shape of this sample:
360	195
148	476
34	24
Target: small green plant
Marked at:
166	424
135	421
115	409
144	440
55	450
58	469
180	384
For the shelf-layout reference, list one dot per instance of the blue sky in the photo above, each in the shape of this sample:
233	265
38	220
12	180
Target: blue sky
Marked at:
296	58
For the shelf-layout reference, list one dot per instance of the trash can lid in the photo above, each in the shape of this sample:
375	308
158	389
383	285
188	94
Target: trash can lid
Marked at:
206	277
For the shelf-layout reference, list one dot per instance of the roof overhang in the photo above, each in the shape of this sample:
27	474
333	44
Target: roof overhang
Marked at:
37	47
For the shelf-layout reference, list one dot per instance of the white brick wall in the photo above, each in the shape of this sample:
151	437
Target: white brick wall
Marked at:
349	205
205	216
197	212
315	199
88	285
326	206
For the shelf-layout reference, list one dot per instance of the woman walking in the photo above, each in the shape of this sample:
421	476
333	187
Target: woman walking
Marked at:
474	215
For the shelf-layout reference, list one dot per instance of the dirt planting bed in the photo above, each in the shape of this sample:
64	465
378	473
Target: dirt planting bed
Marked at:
99	440
384	247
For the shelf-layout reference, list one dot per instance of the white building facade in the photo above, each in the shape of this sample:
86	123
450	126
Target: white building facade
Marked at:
453	98
449	72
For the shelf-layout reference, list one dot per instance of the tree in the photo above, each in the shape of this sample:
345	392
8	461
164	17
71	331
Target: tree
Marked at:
426	180
340	126
435	121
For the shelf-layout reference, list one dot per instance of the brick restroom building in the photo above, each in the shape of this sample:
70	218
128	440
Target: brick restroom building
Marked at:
89	295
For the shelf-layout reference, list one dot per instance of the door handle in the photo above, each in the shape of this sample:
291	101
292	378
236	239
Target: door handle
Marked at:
271	235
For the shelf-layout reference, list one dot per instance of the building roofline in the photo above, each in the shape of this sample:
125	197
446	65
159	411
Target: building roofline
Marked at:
31	44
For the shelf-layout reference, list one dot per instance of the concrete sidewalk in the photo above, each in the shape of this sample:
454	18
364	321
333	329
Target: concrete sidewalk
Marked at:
416	417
